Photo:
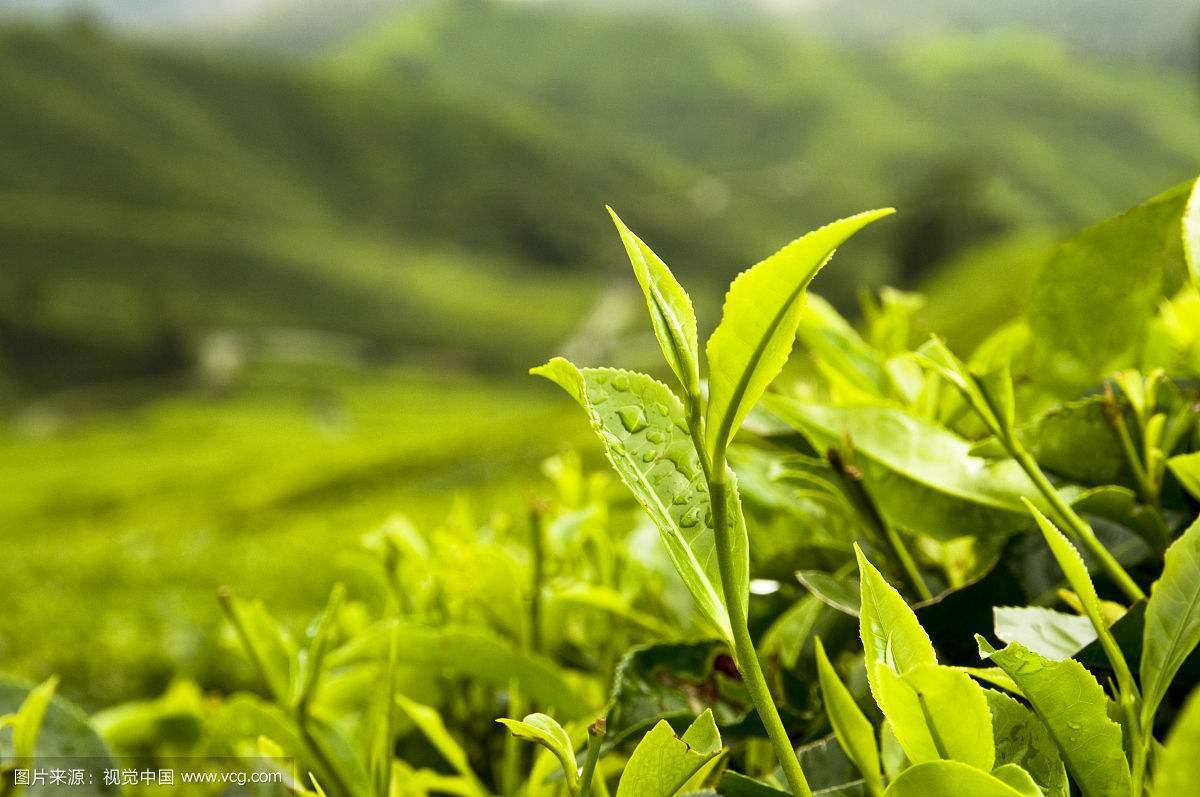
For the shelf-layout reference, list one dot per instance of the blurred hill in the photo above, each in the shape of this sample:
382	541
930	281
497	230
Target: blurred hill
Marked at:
432	185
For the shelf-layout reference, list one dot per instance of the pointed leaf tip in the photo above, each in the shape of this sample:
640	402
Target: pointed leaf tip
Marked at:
758	325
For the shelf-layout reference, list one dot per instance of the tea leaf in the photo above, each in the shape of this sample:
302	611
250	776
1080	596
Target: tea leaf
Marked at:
1014	775
266	643
854	731
1186	468
1022	739
937	713
1071	563
922	477
465	652
1191	233
890	631
841	351
1053	634
27	720
758	325
671	312
1117	265
643	427
842	594
989	394
1172	619
1074	709
736	785
543	730
1175	765
949	779
662	762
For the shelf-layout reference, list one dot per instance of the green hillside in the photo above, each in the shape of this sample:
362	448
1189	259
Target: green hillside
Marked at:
787	127
148	195
425	184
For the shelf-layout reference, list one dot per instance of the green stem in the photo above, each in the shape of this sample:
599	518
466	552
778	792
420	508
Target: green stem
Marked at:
595	735
743	645
1147	489
537	522
335	784
1068	518
1141	753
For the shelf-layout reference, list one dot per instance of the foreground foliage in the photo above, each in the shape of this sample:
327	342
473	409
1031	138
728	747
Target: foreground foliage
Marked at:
878	569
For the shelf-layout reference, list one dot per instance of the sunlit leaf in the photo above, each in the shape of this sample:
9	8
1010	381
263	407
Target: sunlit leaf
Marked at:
1186	468
922	476
937	713
1172	619
662	762
543	730
1191	233
1175	766
890	631
762	309
465	652
1022	739
671	313
643	427
949	779
854	731
1075	711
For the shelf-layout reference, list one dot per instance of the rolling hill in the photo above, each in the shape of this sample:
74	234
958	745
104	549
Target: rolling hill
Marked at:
433	187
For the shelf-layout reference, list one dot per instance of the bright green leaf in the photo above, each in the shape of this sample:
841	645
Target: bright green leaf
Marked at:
1022	739
922	476
889	629
1073	567
948	779
1074	709
1191	233
429	723
854	731
266	643
1172	619
1018	779
937	713
465	652
671	312
662	762
844	356
1175	766
990	394
543	730
762	311
1186	468
643	427
842	594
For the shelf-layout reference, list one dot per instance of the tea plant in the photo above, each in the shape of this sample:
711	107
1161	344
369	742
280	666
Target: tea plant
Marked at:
1013	534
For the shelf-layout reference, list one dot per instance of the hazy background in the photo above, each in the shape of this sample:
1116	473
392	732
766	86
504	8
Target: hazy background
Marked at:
272	270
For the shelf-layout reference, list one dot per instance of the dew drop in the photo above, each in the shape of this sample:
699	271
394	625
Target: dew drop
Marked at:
633	418
650	456
621	382
655	436
690	518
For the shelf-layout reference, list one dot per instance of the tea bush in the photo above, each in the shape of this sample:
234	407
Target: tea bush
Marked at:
879	569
